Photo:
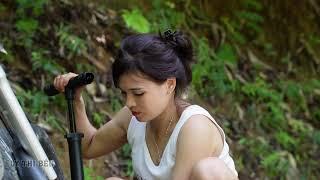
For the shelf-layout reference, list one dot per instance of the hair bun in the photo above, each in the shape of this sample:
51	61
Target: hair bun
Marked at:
180	43
182	46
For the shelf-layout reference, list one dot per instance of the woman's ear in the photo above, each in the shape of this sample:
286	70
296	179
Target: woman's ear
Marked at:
171	84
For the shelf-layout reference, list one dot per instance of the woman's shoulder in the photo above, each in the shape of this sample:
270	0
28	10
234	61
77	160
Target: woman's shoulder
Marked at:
200	128
123	118
196	119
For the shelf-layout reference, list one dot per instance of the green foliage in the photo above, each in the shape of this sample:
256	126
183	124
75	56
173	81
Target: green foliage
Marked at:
226	53
98	119
314	40
35	101
280	115
116	104
84	67
311	85
72	43
273	117
27	25
270	100
297	94
116	100
55	123
37	6
251	15
136	21
260	91
166	15
232	28
246	23
294	92
269	50
89	174
208	74
288	132
252	4
126	150
251	19
259	147
126	153
41	62
276	163
302	129
129	171
286	140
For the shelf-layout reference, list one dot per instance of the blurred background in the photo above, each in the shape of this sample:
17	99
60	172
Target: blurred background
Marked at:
257	72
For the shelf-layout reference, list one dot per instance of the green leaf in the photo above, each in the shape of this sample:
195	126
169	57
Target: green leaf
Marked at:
136	21
27	25
226	53
41	62
250	16
276	163
89	174
286	140
74	44
254	4
97	119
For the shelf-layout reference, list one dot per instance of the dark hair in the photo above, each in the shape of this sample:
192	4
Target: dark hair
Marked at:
157	56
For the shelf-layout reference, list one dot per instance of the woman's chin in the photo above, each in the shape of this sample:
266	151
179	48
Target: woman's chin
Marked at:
141	119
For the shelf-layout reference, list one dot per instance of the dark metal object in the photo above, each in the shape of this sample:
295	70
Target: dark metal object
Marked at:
73	138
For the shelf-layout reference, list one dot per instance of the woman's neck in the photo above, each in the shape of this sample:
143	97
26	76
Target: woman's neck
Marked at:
165	122
162	124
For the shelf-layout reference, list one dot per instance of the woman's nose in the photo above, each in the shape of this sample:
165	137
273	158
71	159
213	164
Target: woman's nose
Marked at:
130	102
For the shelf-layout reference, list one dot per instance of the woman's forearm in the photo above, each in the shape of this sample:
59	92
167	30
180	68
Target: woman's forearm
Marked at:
83	124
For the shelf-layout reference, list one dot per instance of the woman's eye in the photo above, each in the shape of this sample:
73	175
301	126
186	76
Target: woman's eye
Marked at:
139	94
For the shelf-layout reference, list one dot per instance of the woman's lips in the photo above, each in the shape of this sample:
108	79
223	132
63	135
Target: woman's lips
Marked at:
135	113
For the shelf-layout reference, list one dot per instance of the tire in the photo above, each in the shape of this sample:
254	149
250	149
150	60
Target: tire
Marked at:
49	149
8	169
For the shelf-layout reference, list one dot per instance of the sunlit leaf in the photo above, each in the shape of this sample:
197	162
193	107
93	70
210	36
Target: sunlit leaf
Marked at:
135	20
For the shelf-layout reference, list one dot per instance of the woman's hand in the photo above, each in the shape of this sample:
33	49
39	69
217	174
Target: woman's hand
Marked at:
61	81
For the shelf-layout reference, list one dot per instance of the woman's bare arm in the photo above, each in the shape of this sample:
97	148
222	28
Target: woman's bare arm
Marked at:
109	137
199	138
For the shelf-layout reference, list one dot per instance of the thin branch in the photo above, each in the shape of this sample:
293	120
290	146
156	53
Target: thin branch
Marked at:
315	6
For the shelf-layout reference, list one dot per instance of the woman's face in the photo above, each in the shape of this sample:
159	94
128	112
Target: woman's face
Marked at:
145	98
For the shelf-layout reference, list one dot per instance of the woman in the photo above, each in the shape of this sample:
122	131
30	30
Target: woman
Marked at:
170	138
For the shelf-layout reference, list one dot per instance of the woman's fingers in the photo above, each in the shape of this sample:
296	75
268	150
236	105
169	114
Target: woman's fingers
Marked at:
62	80
56	82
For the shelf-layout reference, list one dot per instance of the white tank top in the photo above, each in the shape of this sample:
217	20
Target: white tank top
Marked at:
143	165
